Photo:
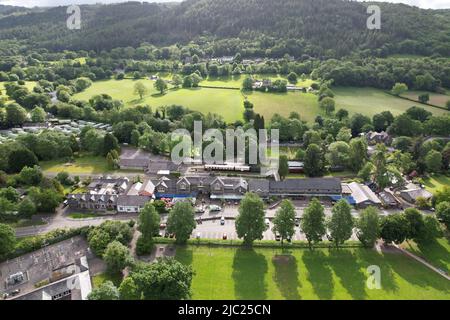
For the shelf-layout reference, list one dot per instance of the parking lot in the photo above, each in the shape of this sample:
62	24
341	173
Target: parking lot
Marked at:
209	226
214	230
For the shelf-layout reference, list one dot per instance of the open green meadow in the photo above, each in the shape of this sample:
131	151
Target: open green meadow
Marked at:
263	273
436	99
229	102
370	101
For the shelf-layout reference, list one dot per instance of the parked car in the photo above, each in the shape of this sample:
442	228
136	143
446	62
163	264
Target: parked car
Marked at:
198	235
214	208
65	203
297	222
222	221
267	222
162	226
224	236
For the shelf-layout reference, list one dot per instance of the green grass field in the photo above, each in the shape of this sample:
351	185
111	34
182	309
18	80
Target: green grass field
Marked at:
268	104
370	101
436	253
82	165
435	98
236	81
436	182
229	103
237	273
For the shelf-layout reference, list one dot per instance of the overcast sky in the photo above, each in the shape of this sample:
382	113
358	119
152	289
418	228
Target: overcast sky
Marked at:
433	4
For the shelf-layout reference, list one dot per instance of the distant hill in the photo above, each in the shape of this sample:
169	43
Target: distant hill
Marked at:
318	27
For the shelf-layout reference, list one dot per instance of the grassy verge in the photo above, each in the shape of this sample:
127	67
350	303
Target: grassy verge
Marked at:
80	215
436	253
257	243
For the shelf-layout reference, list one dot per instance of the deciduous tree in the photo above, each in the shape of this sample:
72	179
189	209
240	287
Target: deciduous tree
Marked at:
250	220
284	221
313	222
341	222
181	221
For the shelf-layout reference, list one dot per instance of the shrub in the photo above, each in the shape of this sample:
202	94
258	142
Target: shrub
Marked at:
143	246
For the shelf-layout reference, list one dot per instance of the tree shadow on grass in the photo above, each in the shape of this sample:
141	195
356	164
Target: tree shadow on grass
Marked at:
416	273
249	269
438	254
286	276
319	273
184	254
347	267
158	94
370	257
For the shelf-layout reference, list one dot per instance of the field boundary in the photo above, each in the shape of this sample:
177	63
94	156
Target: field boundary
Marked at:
213	87
259	244
412	100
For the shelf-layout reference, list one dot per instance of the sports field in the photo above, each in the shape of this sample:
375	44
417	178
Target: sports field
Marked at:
237	273
268	104
226	102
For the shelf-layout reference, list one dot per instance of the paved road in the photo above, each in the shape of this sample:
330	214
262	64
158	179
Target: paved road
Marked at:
61	221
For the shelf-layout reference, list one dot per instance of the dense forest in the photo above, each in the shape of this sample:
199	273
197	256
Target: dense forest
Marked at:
255	28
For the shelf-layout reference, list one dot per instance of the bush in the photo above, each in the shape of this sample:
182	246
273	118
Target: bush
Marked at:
143	246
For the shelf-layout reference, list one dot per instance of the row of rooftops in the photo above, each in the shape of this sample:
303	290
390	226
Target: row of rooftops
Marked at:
120	191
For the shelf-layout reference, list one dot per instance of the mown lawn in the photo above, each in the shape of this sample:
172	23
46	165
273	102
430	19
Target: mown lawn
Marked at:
437	253
370	101
268	104
237	273
228	103
81	165
436	182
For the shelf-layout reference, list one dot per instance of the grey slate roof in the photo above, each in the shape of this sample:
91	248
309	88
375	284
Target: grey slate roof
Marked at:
125	200
306	186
